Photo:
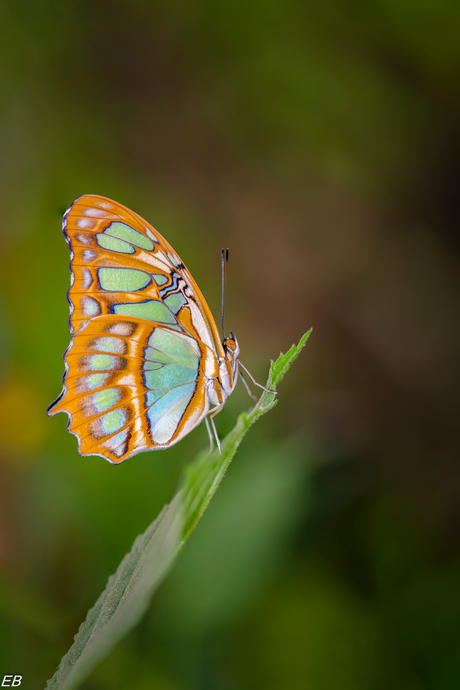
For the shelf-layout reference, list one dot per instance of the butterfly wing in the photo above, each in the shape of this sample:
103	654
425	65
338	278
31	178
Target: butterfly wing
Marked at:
131	385
120	264
144	341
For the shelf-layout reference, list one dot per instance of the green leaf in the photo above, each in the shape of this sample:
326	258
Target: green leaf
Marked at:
129	590
203	476
126	597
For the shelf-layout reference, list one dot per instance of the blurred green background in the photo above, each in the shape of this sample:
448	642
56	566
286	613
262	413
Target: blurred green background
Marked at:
321	143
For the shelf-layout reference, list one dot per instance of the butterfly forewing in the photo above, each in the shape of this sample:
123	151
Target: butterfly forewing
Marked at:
122	265
144	341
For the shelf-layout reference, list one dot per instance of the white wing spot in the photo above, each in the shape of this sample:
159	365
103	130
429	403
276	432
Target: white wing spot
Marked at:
87	279
94	212
82	238
85	223
103	204
90	307
125	328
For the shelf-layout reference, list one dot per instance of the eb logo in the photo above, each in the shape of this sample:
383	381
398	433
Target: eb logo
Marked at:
11	681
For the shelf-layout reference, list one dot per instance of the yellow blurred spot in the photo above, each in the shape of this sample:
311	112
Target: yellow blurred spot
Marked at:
22	420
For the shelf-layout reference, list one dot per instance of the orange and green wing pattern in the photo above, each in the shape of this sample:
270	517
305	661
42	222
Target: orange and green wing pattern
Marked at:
131	385
143	339
121	265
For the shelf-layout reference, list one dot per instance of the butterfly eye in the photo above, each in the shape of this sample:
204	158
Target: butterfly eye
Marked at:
230	344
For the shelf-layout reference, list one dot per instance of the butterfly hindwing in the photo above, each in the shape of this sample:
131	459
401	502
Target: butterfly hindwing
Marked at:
131	385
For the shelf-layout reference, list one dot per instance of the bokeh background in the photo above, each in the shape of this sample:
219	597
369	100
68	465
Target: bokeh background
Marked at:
321	143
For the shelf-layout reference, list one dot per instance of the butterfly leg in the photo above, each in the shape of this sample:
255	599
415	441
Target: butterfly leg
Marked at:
211	437
246	385
213	413
267	390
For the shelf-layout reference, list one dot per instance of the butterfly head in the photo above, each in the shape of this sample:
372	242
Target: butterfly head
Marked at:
231	347
228	367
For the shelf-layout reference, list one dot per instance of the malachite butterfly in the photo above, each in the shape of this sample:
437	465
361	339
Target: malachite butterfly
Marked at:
145	364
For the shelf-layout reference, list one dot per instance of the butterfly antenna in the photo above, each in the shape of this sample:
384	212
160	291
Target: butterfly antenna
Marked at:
224	259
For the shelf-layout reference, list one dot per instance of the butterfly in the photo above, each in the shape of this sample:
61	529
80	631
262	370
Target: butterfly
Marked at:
145	364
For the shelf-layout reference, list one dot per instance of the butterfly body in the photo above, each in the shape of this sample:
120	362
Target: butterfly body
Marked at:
145	364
